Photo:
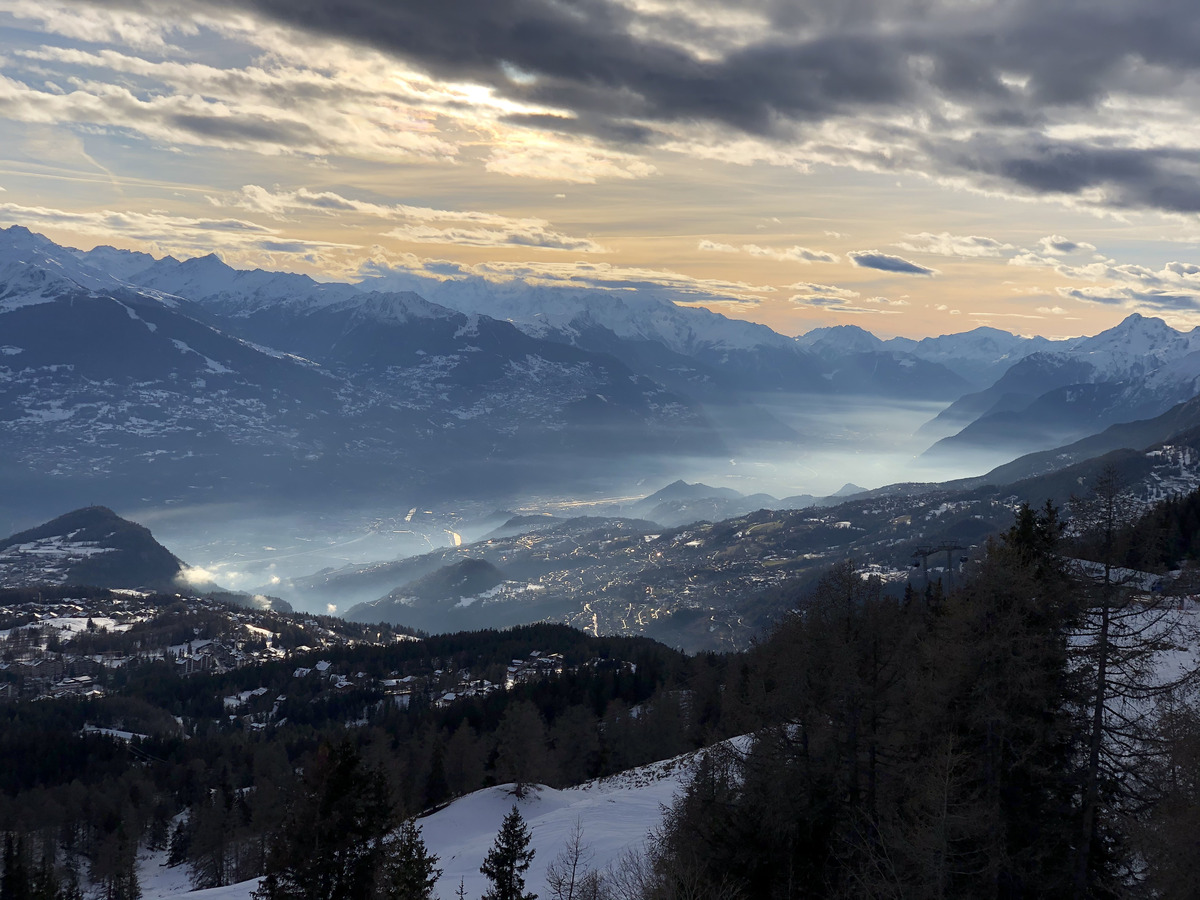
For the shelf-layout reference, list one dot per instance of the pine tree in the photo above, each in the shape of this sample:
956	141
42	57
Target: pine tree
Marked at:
508	860
14	880
114	866
409	870
331	845
521	747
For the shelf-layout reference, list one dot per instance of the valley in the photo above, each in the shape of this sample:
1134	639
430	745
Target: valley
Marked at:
467	544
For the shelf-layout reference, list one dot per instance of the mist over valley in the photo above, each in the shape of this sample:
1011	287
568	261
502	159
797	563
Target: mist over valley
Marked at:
329	443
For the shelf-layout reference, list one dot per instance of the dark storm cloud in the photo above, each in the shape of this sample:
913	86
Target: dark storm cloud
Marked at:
582	57
885	262
1003	73
1131	178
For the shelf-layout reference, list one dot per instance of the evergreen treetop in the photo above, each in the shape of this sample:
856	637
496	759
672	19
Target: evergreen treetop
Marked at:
508	860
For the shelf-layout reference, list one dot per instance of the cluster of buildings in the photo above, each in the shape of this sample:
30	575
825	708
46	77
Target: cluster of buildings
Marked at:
57	648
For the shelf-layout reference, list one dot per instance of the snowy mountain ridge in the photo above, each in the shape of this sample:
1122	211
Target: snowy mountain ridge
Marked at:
1133	348
124	391
543	310
33	269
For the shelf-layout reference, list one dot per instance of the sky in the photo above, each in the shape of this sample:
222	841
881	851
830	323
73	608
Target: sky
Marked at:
914	168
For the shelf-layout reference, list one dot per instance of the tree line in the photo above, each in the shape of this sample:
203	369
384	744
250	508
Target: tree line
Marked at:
1021	736
82	802
1016	736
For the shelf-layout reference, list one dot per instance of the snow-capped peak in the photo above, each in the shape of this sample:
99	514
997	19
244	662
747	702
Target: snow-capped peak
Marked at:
34	269
840	338
1135	346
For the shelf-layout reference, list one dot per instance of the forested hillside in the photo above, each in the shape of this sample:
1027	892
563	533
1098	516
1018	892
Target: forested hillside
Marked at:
1032	734
86	780
1030	731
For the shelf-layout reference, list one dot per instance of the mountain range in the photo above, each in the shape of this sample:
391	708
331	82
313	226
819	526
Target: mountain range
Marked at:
135	381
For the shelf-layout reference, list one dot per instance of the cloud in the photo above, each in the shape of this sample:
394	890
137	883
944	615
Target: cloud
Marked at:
716	247
492	237
873	259
807	289
488	229
946	244
195	576
1057	245
839	306
239	239
576	160
1027	98
791	254
97	24
1173	288
836	299
1158	300
788	254
408	272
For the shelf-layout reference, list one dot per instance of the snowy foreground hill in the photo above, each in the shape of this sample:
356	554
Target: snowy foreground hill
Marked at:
616	814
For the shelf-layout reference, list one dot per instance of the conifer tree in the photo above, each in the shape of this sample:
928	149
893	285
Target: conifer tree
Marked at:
521	747
409	870
14	879
508	860
332	843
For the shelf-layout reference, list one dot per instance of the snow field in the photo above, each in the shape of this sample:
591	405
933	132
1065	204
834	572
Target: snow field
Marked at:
616	814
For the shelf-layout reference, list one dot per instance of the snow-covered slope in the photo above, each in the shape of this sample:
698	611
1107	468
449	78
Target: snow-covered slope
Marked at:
121	264
616	814
92	546
208	280
1135	347
856	362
